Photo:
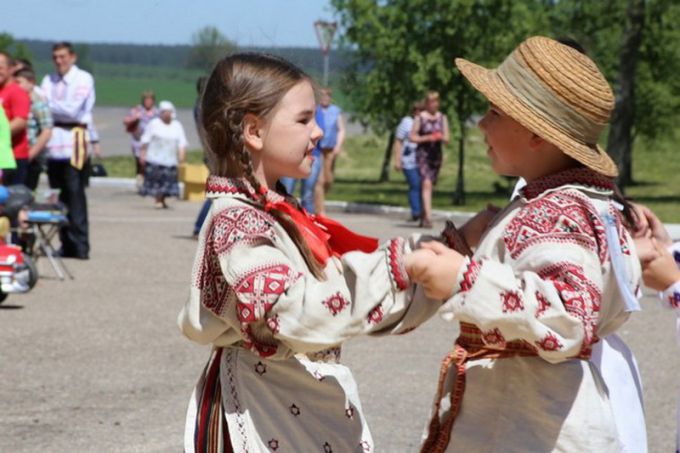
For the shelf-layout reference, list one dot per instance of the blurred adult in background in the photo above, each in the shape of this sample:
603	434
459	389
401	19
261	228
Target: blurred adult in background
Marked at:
70	95
39	127
135	123
430	130
405	160
17	106
307	185
331	145
163	147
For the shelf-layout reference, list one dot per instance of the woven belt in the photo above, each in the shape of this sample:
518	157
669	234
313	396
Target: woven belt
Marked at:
468	347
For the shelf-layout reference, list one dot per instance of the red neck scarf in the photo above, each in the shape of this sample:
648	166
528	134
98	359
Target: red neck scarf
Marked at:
324	237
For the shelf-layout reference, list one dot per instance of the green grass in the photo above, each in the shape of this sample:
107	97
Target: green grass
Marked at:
656	169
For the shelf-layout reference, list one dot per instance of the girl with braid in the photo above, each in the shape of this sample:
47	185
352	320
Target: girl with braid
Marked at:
274	290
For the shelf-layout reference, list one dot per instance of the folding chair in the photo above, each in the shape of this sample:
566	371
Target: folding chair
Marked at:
44	222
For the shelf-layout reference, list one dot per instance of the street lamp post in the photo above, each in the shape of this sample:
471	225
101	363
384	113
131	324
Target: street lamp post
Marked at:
324	33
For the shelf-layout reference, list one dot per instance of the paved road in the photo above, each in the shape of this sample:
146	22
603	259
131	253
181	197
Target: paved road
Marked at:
97	363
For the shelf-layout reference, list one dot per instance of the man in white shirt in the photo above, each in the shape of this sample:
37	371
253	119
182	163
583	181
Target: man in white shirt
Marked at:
70	94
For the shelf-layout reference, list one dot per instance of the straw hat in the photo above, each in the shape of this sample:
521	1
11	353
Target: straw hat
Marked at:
554	91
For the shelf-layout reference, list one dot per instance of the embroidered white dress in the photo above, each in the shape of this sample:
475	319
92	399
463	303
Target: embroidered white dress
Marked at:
283	388
542	278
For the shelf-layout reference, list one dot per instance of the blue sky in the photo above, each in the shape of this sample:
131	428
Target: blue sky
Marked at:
248	22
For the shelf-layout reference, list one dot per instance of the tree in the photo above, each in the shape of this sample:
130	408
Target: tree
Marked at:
637	45
16	49
405	47
209	45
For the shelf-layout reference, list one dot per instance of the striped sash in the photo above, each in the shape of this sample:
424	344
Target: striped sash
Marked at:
211	434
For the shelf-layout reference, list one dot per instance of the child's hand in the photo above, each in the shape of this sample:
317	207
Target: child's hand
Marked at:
661	272
417	262
436	136
646	250
649	225
474	228
438	276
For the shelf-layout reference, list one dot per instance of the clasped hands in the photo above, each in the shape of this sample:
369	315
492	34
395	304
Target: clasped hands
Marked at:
435	267
659	270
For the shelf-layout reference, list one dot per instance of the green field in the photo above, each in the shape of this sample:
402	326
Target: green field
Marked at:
656	169
120	85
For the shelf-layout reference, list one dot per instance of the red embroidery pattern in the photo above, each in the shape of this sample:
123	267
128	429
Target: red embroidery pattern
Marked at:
557	218
274	324
240	225
549	343
543	304
493	337
396	263
580	297
512	301
237	225
259	290
576	176
336	303
216	294
375	315
470	275
252	344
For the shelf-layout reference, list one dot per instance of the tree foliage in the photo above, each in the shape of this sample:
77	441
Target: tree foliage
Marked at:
404	47
16	49
209	45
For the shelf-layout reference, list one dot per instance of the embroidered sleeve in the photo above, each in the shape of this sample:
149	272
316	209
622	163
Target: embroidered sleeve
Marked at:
548	291
381	288
248	290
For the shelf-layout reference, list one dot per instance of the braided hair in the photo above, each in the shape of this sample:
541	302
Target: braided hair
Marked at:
240	84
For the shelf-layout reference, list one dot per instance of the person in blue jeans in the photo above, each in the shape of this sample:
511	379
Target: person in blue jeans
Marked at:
405	160
308	184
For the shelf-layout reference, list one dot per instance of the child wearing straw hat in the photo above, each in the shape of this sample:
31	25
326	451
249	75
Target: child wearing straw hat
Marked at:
554	271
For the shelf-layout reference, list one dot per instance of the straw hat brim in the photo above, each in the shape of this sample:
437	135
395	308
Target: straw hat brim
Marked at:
487	82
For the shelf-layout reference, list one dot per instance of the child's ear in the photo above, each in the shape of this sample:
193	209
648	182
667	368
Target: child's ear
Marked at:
252	132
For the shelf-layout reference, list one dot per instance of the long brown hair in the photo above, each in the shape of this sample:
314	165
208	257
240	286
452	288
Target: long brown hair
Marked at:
240	84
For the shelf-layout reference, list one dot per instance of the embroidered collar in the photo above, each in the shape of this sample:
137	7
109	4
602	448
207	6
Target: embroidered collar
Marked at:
217	186
574	176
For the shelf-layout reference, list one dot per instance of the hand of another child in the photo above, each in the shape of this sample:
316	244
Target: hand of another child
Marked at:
474	228
661	272
650	225
438	275
646	250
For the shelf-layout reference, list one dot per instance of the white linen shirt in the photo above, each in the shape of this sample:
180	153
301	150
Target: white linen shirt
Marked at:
163	141
71	100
